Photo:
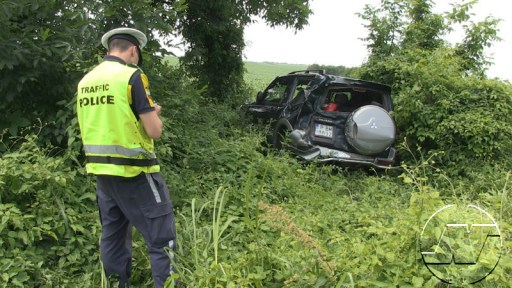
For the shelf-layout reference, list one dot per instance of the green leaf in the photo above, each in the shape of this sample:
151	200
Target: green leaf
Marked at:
417	281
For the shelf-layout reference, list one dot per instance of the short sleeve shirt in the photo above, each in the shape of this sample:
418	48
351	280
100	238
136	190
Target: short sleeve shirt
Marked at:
138	88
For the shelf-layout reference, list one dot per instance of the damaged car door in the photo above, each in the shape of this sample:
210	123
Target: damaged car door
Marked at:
271	102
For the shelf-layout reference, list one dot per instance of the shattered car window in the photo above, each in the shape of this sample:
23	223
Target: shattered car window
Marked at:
276	93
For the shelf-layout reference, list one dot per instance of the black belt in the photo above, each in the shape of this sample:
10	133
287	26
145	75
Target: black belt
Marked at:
121	161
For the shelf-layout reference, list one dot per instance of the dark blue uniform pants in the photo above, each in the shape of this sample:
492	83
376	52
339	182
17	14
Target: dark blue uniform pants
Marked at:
142	201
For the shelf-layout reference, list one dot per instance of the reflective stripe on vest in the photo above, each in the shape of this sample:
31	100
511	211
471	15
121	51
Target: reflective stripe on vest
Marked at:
116	149
121	161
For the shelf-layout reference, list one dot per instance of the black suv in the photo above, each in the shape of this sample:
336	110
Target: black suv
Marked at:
329	118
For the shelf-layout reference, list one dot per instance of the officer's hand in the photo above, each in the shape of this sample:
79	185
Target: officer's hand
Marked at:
158	109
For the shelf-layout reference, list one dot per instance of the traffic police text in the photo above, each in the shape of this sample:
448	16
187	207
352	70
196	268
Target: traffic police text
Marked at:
96	100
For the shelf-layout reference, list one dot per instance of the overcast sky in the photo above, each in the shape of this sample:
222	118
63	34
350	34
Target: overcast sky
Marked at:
333	34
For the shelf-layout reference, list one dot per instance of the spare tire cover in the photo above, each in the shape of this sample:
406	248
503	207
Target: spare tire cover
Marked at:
370	130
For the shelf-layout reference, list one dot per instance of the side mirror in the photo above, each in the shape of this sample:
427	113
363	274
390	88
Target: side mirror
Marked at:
259	98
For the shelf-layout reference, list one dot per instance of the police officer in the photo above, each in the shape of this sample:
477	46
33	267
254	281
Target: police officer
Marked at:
118	121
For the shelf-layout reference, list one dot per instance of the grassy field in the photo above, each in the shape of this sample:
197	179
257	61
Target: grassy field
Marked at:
259	74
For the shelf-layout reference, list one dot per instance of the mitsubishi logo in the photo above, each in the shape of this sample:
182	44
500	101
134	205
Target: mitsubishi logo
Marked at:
374	126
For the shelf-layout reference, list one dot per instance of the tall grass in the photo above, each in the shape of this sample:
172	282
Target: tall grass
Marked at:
217	229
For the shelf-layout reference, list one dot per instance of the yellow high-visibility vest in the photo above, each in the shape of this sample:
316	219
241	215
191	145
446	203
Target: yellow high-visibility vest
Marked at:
115	142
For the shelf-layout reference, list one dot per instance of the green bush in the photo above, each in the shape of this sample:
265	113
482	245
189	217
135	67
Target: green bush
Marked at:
465	117
49	225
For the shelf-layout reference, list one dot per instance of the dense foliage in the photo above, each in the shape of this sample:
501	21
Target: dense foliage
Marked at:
48	228
248	216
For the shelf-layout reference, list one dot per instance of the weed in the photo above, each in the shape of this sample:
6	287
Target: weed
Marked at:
279	219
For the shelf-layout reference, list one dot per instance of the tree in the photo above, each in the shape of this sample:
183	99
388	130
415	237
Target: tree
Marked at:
36	49
396	27
216	44
478	36
425	28
214	32
385	25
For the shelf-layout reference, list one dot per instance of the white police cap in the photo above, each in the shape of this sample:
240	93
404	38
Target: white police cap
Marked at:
138	35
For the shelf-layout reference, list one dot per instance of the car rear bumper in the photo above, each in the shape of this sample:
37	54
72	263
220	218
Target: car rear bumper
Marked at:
323	154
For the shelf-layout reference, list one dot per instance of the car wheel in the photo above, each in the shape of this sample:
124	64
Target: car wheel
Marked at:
370	130
280	136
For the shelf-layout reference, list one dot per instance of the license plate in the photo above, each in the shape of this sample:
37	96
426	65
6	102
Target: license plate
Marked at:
323	130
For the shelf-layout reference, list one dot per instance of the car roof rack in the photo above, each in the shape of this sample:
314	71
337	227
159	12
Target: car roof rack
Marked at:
319	71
